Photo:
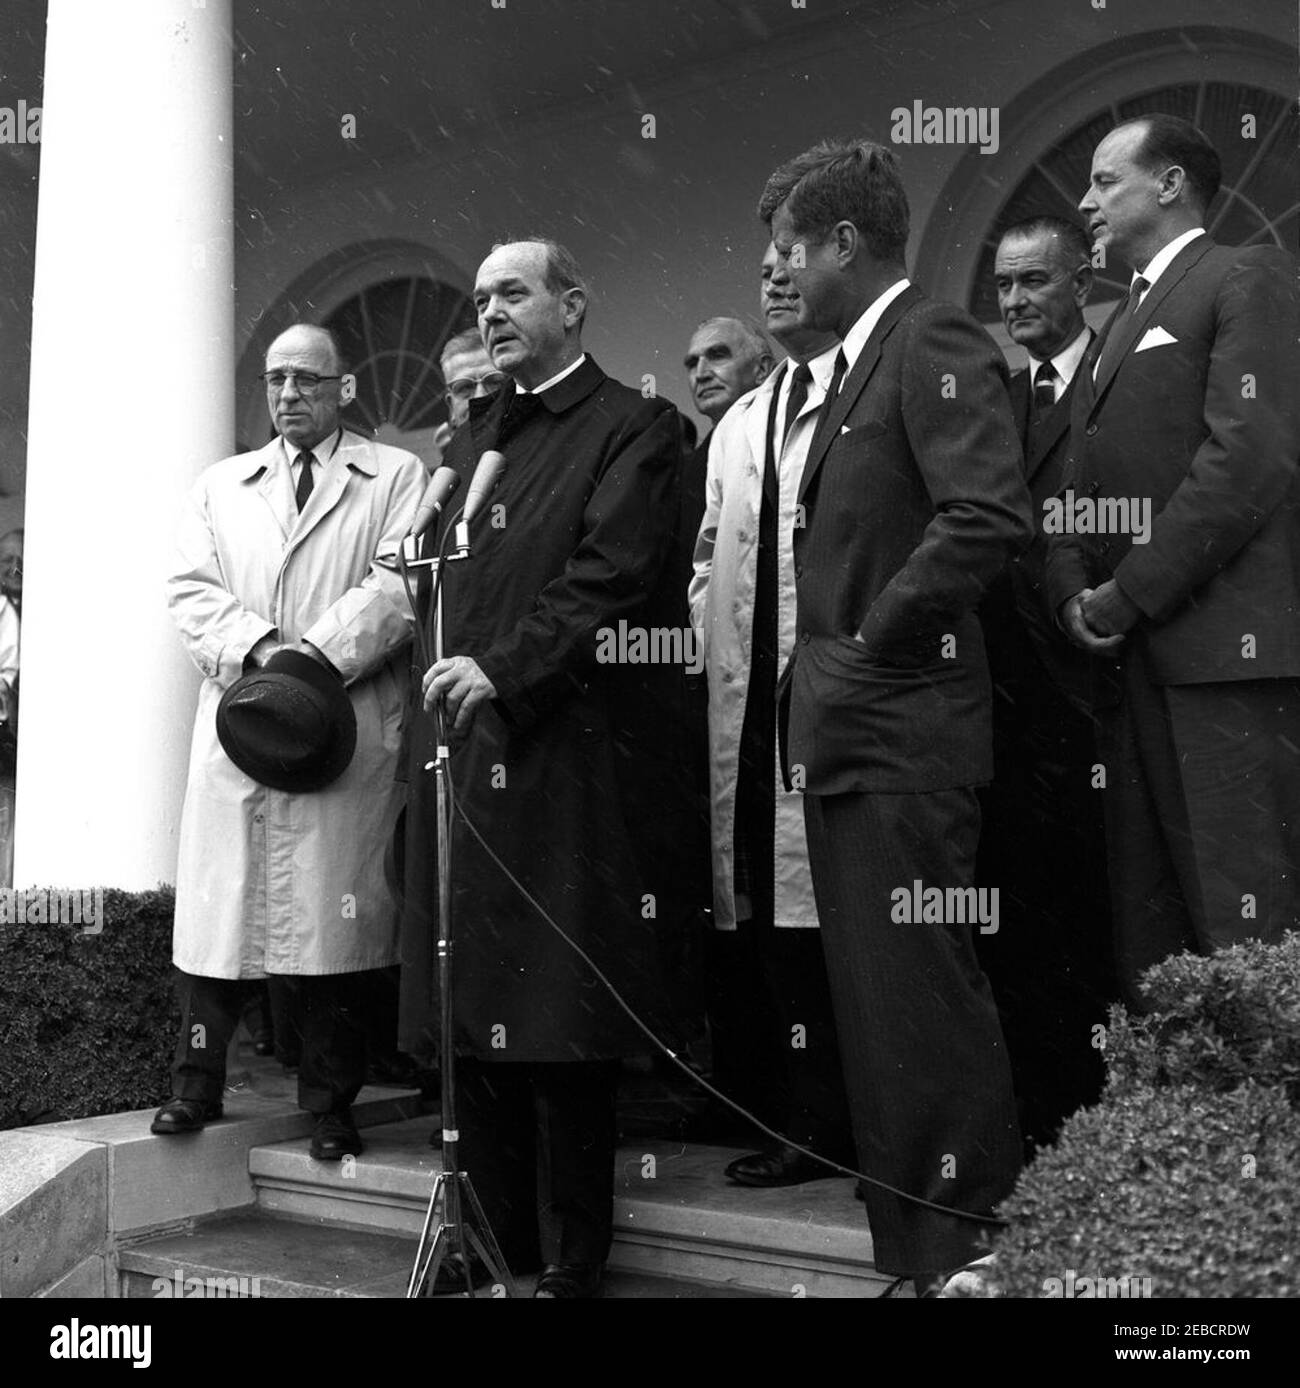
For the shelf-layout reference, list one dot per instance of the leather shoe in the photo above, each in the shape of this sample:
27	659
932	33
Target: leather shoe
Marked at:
564	1280
335	1137
779	1166
184	1116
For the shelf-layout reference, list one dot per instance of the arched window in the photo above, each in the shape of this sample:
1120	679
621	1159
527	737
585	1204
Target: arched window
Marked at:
391	334
1216	77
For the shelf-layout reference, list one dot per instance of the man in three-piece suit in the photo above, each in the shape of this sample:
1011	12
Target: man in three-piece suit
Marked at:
1187	404
1043	843
912	500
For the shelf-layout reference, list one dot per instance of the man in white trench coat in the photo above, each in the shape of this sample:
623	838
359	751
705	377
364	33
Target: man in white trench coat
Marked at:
272	882
743	605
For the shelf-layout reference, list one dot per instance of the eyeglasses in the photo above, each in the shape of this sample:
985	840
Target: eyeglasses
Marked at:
467	387
305	382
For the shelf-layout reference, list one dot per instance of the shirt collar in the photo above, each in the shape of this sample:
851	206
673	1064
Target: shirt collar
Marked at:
1066	361
856	337
553	380
323	451
822	367
1160	262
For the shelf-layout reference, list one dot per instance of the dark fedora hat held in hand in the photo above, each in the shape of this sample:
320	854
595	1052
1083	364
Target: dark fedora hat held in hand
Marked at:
289	725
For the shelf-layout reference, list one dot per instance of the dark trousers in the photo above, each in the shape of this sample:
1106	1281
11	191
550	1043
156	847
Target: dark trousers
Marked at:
1202	811
330	1011
794	1051
1043	848
538	1143
746	1065
814	1104
929	1084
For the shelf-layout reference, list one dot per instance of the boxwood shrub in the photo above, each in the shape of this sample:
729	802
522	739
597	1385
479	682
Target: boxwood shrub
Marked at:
87	1021
1185	1172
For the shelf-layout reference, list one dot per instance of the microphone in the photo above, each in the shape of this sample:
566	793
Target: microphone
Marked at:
481	484
485	477
443	485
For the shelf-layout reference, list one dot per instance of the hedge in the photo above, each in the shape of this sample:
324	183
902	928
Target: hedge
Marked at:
1185	1172
87	1021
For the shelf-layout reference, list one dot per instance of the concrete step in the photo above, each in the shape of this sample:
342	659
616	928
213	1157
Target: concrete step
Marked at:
386	1189
260	1255
675	1215
155	1181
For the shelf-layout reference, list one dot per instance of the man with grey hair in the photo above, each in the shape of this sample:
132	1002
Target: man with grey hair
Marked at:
287	557
726	358
1042	839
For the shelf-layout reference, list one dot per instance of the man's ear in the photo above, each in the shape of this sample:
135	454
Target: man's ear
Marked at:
1172	182
1083	281
575	305
847	242
763	369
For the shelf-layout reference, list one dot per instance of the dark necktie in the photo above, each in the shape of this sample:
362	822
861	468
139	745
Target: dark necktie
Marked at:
1044	388
798	397
823	411
1120	325
1041	402
305	480
837	376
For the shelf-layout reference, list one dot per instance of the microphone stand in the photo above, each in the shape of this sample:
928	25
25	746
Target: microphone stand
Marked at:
461	1223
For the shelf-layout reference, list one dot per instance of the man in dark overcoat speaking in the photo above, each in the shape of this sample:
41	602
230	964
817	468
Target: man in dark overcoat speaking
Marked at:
546	701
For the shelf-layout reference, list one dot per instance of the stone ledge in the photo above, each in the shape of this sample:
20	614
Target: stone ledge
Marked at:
53	1197
154	1180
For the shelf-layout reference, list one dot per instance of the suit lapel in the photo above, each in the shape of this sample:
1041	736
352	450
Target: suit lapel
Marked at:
1056	423
334	478
1021	391
764	420
1156	295
852	385
275	486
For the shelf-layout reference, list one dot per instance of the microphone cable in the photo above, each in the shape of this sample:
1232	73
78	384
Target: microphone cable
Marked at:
662	1047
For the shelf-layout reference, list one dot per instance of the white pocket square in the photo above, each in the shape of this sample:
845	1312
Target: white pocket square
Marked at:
1154	337
844	428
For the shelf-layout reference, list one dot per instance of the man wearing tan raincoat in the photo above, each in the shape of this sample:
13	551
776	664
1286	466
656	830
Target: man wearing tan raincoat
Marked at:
271	882
743	605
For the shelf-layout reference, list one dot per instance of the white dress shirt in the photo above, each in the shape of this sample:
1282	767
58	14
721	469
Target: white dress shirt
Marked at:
1065	362
323	452
1160	262
790	460
856	337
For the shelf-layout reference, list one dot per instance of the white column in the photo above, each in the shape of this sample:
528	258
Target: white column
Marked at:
131	397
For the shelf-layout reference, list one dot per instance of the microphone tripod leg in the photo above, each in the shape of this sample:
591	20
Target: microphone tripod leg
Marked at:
459	1229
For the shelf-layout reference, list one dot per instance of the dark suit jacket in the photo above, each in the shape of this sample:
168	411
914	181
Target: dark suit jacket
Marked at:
915	501
1079	676
553	770
1207	426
